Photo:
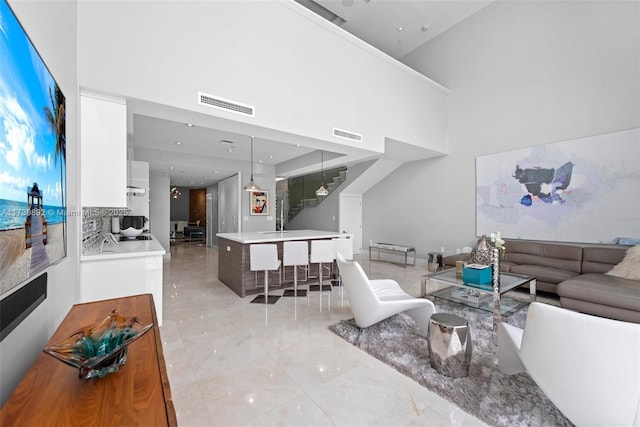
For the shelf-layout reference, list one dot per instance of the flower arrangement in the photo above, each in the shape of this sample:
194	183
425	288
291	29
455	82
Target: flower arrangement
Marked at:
498	243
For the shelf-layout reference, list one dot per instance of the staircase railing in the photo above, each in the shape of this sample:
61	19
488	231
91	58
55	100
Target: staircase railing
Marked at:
302	189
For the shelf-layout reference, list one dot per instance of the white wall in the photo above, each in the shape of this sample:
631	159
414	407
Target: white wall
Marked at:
520	74
159	208
212	215
301	73
52	29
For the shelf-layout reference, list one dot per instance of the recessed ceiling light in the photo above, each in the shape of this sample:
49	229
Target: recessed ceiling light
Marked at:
202	183
171	167
230	150
400	28
204	177
271	156
189	124
178	143
425	28
297	145
259	161
215	171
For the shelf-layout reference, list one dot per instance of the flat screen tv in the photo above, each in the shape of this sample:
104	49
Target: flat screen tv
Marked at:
32	160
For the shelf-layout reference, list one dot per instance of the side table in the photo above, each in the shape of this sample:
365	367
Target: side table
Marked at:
450	344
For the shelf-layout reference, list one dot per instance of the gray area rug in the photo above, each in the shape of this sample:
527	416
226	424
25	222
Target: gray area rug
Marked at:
495	398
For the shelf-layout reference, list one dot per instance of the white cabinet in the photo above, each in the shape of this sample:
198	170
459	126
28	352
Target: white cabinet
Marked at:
103	147
121	277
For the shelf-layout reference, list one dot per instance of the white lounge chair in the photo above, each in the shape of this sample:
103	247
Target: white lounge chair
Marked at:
588	366
375	300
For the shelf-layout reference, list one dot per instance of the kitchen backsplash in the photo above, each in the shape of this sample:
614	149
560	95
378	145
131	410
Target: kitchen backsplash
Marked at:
96	221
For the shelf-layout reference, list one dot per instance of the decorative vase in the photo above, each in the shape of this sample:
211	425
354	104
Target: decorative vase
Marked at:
483	253
483	244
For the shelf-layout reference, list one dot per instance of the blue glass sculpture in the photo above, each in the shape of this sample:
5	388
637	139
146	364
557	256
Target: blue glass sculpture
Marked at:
99	349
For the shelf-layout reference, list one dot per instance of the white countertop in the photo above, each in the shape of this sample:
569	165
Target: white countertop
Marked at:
280	236
125	249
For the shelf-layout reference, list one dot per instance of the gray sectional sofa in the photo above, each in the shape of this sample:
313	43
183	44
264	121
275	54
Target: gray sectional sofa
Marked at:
576	274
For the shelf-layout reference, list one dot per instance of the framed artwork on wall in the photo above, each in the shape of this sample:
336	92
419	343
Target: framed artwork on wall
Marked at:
259	202
33	214
583	190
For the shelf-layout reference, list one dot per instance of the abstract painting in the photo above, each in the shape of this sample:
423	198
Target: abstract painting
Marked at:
585	190
259	202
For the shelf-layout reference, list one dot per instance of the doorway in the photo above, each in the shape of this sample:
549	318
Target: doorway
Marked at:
350	218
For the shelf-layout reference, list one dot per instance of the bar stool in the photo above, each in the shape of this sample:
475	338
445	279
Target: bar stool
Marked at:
264	257
296	254
322	252
345	247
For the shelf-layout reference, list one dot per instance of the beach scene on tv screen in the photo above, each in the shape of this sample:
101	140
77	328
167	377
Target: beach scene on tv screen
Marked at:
32	159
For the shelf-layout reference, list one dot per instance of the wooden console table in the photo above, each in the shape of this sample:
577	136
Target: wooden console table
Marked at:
137	395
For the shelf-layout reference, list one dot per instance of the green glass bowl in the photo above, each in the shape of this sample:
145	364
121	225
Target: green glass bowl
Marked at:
99	349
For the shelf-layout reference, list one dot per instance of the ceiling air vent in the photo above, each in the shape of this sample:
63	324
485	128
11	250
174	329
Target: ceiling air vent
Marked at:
225	104
345	134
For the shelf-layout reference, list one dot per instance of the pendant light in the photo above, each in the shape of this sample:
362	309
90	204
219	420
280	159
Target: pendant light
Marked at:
251	186
322	191
175	193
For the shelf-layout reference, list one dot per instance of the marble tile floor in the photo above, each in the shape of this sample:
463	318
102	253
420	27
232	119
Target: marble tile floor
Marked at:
233	363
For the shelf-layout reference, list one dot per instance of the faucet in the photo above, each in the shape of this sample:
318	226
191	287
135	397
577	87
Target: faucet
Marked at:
106	238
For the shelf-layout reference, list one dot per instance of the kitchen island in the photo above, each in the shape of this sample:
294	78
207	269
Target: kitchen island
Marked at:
233	257
130	267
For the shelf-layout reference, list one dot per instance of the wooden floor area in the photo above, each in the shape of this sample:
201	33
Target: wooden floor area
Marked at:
39	260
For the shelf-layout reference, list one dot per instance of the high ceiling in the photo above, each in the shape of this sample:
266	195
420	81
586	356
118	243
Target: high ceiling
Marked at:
196	156
395	27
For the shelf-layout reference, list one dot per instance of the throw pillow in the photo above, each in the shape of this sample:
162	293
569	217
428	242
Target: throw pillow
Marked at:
629	267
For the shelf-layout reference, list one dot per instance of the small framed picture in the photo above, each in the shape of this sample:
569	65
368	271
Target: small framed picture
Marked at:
259	202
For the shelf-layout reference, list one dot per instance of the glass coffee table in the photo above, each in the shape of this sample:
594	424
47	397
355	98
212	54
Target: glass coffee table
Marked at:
482	297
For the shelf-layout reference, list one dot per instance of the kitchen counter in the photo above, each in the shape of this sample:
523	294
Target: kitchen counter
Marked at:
234	258
124	249
129	268
279	236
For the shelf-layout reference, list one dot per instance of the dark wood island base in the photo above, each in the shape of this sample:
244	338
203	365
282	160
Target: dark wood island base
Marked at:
233	259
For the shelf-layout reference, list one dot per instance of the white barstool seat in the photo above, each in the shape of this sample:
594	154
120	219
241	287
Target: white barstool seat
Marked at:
343	245
322	253
264	257
295	254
